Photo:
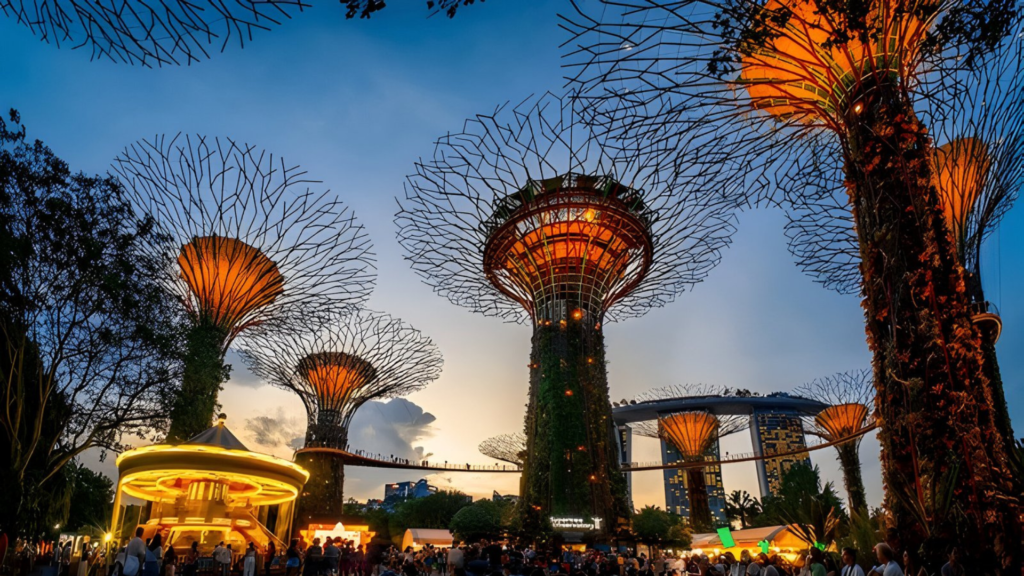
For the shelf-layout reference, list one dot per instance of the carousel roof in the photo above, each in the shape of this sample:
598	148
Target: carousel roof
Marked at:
165	472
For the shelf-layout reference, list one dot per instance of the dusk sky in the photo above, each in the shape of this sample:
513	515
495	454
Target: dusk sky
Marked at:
356	103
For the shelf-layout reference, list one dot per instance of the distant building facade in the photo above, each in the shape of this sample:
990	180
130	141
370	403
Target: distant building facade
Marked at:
677	501
399	491
774	431
495	497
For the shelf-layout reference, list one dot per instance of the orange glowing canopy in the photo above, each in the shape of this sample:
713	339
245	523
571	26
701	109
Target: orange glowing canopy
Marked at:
690	432
572	238
806	73
335	376
229	279
961	168
842	420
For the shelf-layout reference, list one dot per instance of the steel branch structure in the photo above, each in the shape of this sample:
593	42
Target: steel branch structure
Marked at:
851	398
755	100
530	215
336	364
258	246
506	447
160	33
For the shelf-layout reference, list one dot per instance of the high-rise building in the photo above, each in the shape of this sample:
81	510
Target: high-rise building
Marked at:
773	432
676	499
398	491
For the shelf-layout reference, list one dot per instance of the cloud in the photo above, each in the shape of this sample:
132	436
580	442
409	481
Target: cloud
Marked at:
392	428
277	431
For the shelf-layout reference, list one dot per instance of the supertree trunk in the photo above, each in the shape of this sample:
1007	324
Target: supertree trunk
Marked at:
849	460
933	401
700	508
203	374
323	496
571	468
1000	411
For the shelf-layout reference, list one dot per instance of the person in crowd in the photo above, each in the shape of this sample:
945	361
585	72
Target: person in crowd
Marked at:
135	554
313	565
249	560
732	566
887	565
191	564
850	566
84	557
766	566
65	557
456	560
154	556
270	556
332	557
222	557
816	562
293	559
953	566
170	561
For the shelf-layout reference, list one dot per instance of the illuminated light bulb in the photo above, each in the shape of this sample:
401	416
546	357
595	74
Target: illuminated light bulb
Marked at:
589	214
562	323
577	314
568	392
858	107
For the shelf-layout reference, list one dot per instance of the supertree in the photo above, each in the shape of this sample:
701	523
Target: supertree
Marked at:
978	170
136	32
694	434
337	363
257	245
170	32
505	447
529	215
850	396
751	95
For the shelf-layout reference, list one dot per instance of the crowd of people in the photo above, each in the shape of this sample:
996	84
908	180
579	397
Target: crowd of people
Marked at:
339	557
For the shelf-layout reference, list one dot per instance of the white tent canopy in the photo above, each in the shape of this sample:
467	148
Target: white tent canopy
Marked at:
420	537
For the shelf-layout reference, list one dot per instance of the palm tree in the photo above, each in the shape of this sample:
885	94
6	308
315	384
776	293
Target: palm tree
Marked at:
740	505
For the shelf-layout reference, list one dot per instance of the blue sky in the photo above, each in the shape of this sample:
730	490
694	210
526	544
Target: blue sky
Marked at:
356	103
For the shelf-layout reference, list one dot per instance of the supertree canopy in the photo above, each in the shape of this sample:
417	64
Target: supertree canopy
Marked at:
850	396
978	172
257	246
528	214
694	434
168	32
759	97
336	363
505	447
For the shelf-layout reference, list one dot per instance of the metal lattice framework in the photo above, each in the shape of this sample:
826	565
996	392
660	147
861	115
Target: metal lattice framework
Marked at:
160	33
339	362
850	396
257	243
978	125
528	204
693	390
505	447
747	97
692	432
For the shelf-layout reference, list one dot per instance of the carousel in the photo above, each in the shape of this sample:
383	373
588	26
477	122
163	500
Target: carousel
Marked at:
208	490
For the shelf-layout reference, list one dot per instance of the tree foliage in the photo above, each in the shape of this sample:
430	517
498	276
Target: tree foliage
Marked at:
91	342
92	497
740	505
652	525
434	511
483	519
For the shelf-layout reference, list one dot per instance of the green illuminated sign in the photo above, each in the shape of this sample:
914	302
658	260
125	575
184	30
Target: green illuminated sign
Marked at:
725	535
